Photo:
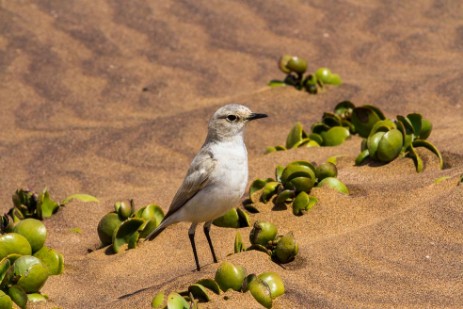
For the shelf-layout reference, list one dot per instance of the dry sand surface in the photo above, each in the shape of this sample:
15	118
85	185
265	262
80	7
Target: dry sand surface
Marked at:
112	98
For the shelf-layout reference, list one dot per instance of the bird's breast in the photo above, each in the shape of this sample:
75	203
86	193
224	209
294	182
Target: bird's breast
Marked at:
231	168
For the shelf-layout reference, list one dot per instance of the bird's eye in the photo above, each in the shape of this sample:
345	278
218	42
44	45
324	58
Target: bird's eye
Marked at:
233	118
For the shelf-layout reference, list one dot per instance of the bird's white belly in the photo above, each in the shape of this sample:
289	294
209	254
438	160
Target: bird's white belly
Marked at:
229	180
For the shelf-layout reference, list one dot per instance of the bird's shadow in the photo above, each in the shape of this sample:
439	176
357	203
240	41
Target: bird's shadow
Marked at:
157	286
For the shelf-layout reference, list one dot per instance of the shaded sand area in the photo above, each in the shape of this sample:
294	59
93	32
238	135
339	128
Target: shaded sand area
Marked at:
112	98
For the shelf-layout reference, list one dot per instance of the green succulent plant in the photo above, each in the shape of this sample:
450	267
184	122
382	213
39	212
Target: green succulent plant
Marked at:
384	139
292	186
387	139
263	237
25	263
265	288
332	130
125	225
295	67
28	204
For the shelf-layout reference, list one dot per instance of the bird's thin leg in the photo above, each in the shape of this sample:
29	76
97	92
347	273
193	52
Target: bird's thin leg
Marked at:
191	234
207	228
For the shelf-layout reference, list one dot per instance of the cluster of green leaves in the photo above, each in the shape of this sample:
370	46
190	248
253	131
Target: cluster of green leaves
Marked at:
26	263
264	287
124	225
292	186
295	67
28	204
386	139
332	130
264	237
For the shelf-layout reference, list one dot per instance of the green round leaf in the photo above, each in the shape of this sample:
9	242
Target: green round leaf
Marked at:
158	301
5	301
301	184
426	128
301	203
335	184
199	292
323	75
261	292
35	232
373	142
335	136
262	233
229	276
106	227
153	212
176	301
364	118
229	219
210	284
297	65
296	169
36	298
269	190
14	243
274	282
390	146
18	295
31	272
286	249
53	260
326	169
283	62
296	134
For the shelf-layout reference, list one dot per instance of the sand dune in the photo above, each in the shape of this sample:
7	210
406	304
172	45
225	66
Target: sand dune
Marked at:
112	98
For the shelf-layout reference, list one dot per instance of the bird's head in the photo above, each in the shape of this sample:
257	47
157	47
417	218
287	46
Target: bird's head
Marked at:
230	120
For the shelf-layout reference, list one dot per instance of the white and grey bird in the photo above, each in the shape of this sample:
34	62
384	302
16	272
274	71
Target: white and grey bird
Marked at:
217	177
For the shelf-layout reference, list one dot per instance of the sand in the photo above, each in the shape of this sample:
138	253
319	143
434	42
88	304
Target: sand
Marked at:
112	98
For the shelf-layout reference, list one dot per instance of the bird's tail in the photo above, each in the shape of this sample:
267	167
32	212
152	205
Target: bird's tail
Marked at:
157	231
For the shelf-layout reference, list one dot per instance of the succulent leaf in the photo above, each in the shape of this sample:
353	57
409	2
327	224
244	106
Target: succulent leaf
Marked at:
229	219
364	118
86	198
431	147
238	246
158	300
335	136
296	134
199	292
124	232
390	145
274	282
230	276
261	292
46	207
335	184
210	284
416	158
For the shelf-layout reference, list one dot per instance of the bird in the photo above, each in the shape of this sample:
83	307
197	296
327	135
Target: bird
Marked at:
217	177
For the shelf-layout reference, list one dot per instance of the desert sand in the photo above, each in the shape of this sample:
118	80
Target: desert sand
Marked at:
112	98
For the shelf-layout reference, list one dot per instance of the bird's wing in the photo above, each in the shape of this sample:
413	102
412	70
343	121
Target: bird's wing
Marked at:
198	177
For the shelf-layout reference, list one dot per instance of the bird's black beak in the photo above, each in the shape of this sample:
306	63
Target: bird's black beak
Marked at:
254	116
